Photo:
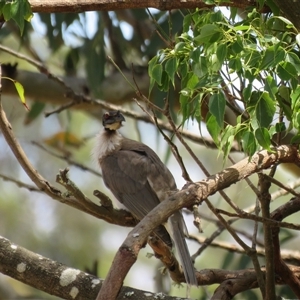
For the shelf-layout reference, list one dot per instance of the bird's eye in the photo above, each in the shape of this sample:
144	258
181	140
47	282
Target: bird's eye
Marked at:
106	115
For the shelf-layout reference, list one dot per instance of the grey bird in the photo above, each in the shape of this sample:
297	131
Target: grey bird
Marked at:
140	181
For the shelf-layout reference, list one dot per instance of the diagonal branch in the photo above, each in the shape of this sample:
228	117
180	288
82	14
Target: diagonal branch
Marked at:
194	193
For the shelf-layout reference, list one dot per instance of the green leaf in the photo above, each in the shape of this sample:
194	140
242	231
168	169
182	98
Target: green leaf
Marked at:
151	64
216	106
20	11
252	59
156	73
187	22
20	90
247	92
207	34
280	127
35	110
271	87
248	142
183	69
263	137
294	60
221	53
235	64
184	106
272	57
237	46
170	69
295	97
213	128
227	147
265	110
6	11
286	70
164	82
283	99
200	68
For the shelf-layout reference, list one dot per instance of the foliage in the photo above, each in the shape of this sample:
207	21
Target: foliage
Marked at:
252	66
19	11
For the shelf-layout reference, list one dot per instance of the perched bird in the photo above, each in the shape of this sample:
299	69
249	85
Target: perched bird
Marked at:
140	181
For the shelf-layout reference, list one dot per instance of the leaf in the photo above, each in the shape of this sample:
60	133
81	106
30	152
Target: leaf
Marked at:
280	127
252	59
295	97
170	69
157	73
221	53
34	112
265	110
20	11
247	92
200	68
216	106
248	142
283	99
294	60
263	138
6	11
187	22
272	57
286	70
237	46
271	87
207	33
20	90
184	107
213	128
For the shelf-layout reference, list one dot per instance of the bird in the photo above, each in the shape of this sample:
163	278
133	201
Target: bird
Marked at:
140	181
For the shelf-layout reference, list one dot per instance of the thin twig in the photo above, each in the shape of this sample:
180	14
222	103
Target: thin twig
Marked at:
175	152
21	184
283	186
67	159
283	192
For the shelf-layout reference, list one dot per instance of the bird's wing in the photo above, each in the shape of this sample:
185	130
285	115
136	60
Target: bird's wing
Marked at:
125	174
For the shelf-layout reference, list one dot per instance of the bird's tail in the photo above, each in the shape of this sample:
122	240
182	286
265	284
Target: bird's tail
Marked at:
179	229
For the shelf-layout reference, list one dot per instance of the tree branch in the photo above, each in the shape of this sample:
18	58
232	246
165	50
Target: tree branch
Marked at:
55	278
104	5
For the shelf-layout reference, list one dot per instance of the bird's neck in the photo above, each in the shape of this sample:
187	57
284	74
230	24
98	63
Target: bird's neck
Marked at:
107	142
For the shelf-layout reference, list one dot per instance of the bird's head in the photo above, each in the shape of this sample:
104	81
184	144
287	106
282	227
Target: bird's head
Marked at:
112	120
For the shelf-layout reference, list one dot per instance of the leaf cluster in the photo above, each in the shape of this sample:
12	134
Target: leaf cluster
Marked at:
250	67
16	10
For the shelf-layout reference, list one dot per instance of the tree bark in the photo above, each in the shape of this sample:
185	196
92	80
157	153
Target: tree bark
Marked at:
104	5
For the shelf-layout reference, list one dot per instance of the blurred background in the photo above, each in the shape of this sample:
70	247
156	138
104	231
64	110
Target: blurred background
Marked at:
76	47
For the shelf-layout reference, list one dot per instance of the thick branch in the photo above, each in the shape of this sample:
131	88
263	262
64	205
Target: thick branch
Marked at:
104	5
62	281
55	278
